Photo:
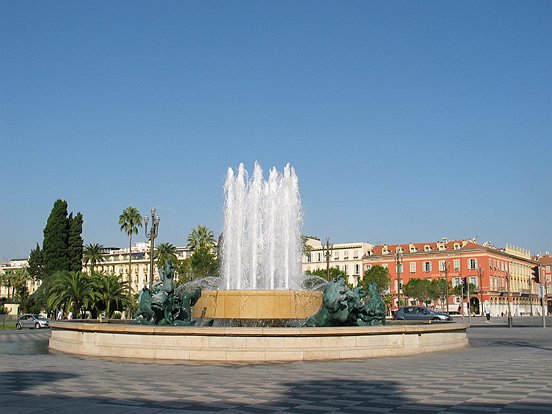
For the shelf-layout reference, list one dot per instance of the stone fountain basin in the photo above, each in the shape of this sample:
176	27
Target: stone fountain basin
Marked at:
231	344
257	304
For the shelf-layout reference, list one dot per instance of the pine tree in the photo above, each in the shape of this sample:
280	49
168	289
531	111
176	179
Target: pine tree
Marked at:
75	243
56	239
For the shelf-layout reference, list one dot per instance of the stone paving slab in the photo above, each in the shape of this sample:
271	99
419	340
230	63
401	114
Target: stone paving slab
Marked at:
505	370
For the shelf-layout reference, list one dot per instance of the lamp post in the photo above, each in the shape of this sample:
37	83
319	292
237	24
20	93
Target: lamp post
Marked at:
446	286
399	259
151	235
508	283
327	252
480	271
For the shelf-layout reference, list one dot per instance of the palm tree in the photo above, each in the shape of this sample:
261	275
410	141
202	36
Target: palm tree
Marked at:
111	292
93	253
71	289
165	252
201	237
130	220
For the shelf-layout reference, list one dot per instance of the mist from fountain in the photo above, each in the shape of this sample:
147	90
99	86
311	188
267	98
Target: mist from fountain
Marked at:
262	247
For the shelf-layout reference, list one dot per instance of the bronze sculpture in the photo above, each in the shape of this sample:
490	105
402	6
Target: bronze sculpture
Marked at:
343	306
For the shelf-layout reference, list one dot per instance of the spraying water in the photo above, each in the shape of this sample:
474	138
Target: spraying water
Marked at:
262	230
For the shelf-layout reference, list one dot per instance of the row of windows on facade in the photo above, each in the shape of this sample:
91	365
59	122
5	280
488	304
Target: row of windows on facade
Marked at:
414	249
427	266
319	256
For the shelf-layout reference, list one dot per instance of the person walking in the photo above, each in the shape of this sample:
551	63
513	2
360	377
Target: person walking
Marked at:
488	312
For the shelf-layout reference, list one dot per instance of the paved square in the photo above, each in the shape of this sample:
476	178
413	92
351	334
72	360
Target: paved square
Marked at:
505	370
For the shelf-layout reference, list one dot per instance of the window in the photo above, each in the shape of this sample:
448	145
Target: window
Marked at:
367	267
442	265
427	267
456	246
346	254
319	257
472	264
412	249
400	268
473	280
456	281
442	247
345	268
412	267
355	254
357	269
427	248
336	255
456	264
308	257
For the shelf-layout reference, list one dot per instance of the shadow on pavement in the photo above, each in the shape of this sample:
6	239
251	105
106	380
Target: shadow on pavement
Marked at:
19	394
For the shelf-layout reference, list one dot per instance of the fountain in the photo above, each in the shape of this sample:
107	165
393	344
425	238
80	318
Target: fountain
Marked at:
261	252
261	256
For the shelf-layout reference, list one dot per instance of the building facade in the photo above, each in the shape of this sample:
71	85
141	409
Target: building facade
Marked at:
347	257
116	263
545	278
502	276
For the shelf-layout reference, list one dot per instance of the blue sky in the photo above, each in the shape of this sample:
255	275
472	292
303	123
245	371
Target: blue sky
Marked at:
406	121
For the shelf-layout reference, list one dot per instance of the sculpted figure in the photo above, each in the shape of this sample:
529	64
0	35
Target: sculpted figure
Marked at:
374	310
144	313
165	305
342	306
334	310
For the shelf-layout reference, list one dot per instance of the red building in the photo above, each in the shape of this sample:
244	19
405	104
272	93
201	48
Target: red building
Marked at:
502	276
545	278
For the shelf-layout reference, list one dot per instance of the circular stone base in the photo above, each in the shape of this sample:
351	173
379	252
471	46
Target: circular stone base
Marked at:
157	343
257	304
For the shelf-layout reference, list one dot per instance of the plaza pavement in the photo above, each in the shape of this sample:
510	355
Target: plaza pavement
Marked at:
506	370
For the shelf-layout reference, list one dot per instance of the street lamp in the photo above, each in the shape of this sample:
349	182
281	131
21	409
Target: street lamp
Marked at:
399	259
327	252
151	235
481	271
446	286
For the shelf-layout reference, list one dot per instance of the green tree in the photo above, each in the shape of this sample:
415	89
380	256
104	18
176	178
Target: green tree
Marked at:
129	221
201	237
334	273
439	289
377	274
203	263
419	289
93	254
36	264
165	252
75	242
56	239
111	293
71	290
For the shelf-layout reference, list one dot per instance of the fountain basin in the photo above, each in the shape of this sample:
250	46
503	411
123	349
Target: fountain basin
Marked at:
257	304
179	344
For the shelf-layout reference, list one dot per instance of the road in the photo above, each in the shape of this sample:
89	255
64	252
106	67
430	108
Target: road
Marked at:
504	370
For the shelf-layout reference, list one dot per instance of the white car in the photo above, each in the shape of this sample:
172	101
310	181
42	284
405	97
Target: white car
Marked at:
32	321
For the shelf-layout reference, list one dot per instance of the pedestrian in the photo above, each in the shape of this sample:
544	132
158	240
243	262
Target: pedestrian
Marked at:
488	312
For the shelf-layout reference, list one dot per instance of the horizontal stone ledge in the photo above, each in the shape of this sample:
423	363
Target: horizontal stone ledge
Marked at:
256	331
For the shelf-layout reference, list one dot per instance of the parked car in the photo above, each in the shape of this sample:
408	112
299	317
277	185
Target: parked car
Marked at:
420	313
32	321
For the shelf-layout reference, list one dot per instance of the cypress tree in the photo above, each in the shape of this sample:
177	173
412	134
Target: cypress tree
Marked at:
75	244
56	239
36	263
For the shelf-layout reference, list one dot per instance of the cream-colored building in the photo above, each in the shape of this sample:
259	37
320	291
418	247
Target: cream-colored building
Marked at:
11	267
345	256
116	263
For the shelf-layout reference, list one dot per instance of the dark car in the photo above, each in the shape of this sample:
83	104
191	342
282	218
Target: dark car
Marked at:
32	321
420	313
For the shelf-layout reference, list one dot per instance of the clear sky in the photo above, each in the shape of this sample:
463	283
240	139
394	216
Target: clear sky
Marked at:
406	121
